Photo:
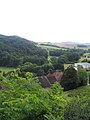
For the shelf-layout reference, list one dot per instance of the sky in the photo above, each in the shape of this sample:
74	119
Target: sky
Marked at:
46	20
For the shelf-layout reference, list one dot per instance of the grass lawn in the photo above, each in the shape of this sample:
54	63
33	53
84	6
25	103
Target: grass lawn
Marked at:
6	69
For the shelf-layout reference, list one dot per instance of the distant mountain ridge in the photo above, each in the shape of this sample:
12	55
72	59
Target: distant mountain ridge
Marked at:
69	42
66	42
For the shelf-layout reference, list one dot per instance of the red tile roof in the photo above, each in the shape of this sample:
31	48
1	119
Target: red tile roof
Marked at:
50	79
57	75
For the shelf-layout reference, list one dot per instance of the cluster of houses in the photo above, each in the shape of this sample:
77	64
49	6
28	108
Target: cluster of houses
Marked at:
49	79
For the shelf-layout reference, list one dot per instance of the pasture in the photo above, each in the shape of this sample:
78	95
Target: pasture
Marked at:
49	47
85	59
6	69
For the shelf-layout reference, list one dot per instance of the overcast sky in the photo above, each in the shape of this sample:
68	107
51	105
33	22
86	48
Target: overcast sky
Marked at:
46	20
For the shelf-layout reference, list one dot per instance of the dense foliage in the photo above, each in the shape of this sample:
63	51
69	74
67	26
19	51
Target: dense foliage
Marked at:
62	52
68	55
73	78
70	79
15	50
41	69
78	104
82	77
24	99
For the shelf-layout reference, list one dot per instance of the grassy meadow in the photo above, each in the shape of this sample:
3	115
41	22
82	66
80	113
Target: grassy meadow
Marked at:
6	69
86	56
49	47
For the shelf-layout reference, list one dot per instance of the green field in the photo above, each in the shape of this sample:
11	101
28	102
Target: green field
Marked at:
49	47
67	65
86	54
84	58
6	69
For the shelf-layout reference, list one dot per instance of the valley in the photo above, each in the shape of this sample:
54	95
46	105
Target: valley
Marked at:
39	81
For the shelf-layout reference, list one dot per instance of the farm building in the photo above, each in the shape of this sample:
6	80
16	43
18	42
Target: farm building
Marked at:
84	65
50	79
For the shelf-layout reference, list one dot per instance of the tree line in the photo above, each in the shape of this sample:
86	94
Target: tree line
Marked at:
67	55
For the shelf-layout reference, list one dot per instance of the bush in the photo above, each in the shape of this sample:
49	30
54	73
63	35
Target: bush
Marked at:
70	79
78	104
83	77
24	99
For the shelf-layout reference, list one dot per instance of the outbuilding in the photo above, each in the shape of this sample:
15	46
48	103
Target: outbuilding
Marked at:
84	65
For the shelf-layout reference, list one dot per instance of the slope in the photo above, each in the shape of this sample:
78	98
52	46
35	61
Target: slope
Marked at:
78	104
15	50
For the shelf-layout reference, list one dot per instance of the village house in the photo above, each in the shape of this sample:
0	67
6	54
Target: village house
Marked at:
50	79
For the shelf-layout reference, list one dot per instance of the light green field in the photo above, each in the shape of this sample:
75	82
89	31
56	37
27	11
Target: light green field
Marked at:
66	66
6	69
84	58
86	54
51	47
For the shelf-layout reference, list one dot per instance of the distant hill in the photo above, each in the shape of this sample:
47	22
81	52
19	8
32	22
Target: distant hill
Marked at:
73	45
87	44
14	43
60	45
15	50
67	44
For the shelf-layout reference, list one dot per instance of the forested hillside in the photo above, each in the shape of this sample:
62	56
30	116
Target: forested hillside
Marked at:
15	51
22	96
